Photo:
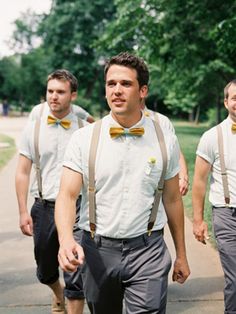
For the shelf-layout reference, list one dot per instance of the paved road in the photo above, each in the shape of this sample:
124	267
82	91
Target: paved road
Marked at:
21	293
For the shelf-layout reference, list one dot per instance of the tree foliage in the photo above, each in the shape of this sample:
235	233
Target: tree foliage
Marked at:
188	46
183	44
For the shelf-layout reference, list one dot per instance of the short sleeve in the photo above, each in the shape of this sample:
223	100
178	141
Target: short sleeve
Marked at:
207	146
73	156
174	153
25	147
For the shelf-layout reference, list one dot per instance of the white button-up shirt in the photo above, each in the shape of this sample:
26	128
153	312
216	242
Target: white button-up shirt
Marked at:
208	150
53	140
125	177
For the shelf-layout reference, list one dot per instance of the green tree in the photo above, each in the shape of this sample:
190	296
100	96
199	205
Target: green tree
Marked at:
179	41
69	33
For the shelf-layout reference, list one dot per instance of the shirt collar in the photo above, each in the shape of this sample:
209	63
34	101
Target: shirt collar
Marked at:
229	120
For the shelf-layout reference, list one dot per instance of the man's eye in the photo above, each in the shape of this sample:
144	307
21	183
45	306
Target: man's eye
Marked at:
111	84
126	84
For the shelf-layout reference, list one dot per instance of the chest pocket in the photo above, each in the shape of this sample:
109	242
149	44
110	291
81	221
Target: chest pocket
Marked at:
152	174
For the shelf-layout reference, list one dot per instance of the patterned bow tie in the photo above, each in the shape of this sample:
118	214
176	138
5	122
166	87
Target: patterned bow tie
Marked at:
64	123
233	127
118	131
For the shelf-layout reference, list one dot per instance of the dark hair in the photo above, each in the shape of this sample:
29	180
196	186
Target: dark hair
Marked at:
64	75
226	89
131	61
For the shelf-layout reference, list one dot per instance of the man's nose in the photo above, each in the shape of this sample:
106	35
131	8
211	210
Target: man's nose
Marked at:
118	88
54	95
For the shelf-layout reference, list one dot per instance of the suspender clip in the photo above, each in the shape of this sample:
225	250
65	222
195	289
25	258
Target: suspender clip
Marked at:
149	232
227	201
92	229
150	226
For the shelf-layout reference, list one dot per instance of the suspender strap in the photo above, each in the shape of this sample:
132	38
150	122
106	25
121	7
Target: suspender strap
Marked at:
91	185
222	165
36	149
80	123
160	187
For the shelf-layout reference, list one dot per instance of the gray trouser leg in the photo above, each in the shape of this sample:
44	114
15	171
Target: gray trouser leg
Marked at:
225	233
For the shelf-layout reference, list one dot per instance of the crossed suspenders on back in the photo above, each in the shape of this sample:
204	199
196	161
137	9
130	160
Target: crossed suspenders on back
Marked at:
36	149
91	169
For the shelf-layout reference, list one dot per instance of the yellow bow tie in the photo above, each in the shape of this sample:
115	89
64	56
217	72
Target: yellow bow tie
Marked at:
147	114
118	131
64	123
233	127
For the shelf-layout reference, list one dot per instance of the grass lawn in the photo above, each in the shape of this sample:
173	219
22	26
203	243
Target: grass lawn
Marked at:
7	152
189	135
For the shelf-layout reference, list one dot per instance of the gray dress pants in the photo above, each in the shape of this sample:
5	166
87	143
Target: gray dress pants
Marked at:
135	270
225	232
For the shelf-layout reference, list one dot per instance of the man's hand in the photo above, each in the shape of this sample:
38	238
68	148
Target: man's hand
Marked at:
200	231
183	185
26	224
181	270
70	255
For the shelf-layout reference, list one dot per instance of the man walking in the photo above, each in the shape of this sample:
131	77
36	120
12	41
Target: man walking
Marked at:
43	144
123	246
216	156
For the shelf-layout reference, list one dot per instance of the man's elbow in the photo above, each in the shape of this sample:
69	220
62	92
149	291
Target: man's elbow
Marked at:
90	119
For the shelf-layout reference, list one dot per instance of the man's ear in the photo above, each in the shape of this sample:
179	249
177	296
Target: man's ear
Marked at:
226	103
73	95
143	91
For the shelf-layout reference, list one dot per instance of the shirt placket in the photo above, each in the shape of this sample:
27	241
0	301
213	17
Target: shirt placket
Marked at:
59	150
126	184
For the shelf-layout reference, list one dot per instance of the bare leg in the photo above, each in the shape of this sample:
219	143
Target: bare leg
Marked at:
75	306
57	289
58	302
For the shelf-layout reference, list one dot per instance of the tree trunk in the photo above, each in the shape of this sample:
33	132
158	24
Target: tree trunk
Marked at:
196	120
191	116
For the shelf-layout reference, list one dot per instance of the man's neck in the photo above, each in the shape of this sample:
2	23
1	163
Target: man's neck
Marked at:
60	115
127	121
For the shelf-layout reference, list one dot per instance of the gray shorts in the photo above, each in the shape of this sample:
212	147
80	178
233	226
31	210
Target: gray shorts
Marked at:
46	247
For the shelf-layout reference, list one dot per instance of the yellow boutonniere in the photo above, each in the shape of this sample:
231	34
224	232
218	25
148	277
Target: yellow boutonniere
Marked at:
152	160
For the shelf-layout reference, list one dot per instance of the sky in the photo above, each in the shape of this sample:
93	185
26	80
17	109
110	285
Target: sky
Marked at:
10	11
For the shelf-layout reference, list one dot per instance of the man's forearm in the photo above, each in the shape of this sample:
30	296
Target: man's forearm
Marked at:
183	173
22	186
175	215
65	214
198	200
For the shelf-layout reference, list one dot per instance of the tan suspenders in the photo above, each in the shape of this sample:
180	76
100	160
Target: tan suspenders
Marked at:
91	169
36	149
222	166
91	184
159	190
